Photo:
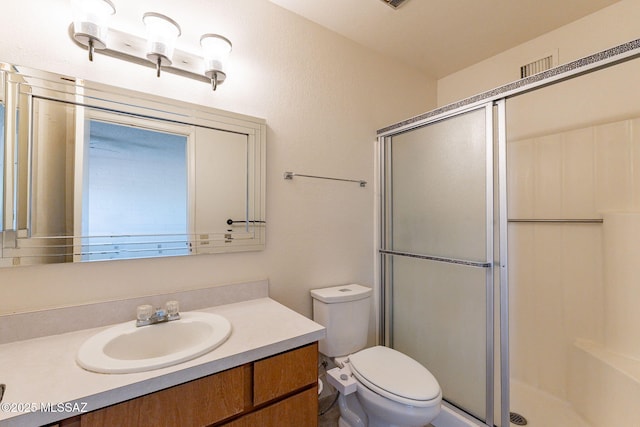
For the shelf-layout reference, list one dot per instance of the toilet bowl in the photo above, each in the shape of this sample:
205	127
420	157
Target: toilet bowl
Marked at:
390	389
378	386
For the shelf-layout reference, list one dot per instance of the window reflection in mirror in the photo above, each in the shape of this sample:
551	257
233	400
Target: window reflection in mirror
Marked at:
118	182
136	183
121	184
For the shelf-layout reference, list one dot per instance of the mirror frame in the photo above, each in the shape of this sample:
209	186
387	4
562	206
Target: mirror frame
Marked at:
20	85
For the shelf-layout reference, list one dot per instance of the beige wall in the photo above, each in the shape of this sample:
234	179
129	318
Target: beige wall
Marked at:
52	209
607	28
323	98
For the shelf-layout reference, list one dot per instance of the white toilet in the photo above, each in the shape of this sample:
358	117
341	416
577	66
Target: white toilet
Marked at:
378	386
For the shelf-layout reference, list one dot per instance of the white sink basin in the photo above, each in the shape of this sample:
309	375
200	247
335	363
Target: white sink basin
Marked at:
125	348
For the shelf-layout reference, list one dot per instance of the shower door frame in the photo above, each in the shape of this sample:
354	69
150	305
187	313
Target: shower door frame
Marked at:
494	139
498	96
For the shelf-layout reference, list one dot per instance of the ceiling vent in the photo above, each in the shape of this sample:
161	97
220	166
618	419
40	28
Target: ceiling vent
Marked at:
538	66
395	3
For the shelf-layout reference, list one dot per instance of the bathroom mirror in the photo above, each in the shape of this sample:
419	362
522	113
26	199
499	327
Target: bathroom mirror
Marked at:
93	172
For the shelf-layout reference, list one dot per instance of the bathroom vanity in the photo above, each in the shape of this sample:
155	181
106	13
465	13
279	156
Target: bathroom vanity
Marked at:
276	391
264	374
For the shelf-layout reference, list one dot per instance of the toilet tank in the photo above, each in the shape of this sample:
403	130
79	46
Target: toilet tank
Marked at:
344	312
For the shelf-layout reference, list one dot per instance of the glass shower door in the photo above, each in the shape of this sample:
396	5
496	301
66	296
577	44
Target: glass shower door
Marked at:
437	246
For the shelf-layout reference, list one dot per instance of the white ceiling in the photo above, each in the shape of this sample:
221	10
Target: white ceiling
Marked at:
443	36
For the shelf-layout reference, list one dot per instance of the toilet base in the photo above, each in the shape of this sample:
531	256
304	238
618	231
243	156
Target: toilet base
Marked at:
353	414
342	423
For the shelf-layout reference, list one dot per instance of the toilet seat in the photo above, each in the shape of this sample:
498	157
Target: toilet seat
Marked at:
395	376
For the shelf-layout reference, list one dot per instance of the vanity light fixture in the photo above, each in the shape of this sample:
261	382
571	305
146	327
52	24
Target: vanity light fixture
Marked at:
90	29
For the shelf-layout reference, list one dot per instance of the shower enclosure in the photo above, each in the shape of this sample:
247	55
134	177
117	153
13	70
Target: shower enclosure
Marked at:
510	247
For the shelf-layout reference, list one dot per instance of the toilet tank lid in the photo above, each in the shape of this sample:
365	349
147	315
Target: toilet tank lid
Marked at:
342	293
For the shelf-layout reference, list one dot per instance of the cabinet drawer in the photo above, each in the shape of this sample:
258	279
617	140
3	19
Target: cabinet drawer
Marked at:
197	403
296	411
284	373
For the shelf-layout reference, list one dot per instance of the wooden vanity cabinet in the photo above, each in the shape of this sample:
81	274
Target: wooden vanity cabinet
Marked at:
284	373
279	391
299	410
199	403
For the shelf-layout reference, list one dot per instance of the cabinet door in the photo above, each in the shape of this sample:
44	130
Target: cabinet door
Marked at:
297	411
197	403
284	373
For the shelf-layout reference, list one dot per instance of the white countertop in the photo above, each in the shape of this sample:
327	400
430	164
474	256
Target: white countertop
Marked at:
44	371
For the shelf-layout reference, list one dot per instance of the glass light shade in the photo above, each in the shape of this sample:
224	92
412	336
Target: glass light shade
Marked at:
162	33
91	21
215	49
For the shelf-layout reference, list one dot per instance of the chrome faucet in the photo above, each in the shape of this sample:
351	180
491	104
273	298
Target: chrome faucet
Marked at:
146	315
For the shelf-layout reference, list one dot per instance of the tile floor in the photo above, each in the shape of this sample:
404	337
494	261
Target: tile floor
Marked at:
330	417
328	411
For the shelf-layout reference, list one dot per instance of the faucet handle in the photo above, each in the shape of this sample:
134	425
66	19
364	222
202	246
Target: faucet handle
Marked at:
144	312
173	309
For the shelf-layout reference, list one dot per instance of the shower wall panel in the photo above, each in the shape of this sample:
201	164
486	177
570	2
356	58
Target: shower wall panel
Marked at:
556	272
